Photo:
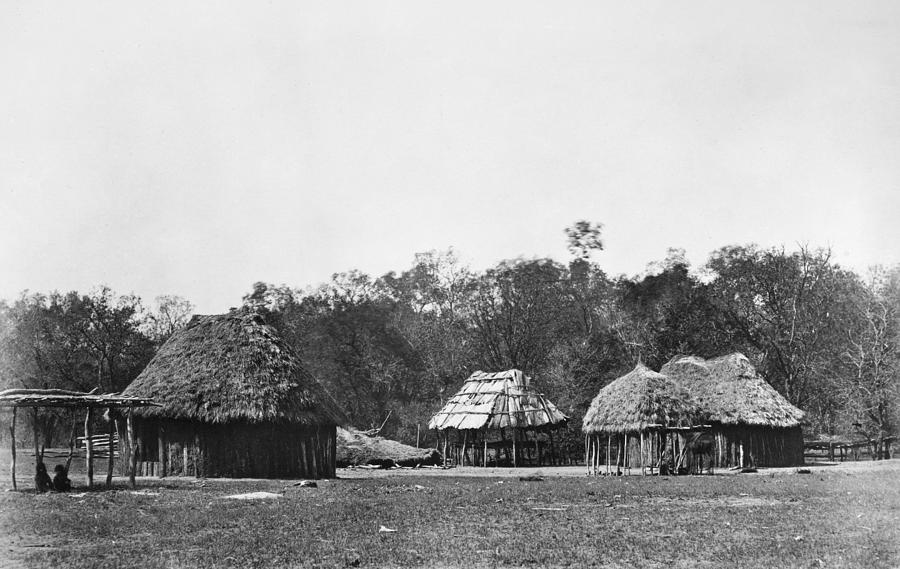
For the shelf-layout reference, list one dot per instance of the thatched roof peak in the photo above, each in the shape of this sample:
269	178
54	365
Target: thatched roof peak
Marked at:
501	379
497	400
232	368
732	392
640	400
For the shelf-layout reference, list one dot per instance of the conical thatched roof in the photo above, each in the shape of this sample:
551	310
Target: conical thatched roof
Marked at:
640	400
731	392
495	401
232	368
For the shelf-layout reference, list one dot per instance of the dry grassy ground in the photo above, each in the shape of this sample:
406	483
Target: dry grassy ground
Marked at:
838	516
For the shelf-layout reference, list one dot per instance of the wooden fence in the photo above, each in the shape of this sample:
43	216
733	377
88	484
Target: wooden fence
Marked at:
842	450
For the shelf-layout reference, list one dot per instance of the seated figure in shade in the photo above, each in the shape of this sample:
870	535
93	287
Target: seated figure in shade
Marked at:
42	479
61	482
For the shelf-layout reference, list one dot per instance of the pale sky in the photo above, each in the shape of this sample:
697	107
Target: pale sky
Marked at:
194	148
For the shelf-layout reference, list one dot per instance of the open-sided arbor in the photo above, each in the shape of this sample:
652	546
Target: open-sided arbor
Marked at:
500	404
36	399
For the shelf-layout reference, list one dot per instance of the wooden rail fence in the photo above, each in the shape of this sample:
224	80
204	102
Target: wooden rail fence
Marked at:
840	451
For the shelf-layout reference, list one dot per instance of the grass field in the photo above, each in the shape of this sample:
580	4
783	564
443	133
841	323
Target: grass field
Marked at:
838	516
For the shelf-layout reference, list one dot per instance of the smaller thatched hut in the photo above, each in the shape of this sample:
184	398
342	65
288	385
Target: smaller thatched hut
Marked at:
501	404
234	401
639	421
753	424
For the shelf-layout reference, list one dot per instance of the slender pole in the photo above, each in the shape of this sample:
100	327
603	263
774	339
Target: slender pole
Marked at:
161	447
462	461
642	452
587	453
552	448
38	458
111	429
89	447
608	451
515	450
485	448
132	454
12	448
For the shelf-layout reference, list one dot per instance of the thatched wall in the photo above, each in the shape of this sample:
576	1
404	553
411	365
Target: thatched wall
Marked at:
719	446
762	446
237	450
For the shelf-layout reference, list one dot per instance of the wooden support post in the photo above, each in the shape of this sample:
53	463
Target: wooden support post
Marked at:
161	445
552	449
109	465
587	453
608	451
514	449
446	436
618	454
89	447
625	464
134	457
12	448
462	456
642	452
132	452
38	459
485	448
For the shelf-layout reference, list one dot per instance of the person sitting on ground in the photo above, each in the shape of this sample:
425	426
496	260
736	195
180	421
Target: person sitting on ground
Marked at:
42	479
61	482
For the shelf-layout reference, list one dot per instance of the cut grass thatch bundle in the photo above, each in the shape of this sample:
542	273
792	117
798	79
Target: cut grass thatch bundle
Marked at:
355	448
234	401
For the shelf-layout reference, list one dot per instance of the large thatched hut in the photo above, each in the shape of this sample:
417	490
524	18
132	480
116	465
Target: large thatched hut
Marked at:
497	411
639	420
234	401
752	423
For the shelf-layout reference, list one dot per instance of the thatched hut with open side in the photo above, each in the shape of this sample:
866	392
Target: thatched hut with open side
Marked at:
752	423
234	401
497	411
639	420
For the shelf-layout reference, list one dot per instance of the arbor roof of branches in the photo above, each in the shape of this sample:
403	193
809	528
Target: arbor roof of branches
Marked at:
64	398
495	401
730	391
640	400
232	368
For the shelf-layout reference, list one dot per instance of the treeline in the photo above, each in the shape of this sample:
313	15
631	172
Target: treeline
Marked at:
402	343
